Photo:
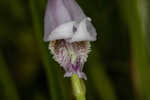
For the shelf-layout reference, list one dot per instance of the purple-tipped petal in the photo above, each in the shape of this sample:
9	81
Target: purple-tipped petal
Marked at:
68	74
82	75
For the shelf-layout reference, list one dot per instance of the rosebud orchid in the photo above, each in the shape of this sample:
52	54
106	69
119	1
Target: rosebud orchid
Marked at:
68	31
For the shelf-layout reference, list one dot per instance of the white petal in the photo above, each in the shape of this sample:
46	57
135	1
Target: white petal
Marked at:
55	15
85	31
64	31
75	10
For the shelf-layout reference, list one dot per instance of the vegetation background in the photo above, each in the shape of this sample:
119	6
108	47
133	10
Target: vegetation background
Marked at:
117	68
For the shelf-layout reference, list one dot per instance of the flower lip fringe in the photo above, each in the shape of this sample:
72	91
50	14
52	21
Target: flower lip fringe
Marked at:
71	56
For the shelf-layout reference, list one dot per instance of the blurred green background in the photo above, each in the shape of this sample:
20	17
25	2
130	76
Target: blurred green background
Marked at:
117	67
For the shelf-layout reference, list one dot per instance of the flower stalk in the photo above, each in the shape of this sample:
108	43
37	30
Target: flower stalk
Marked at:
8	88
78	86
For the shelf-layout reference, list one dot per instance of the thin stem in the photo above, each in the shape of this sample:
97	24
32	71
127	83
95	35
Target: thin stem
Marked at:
79	89
134	12
51	71
8	86
100	79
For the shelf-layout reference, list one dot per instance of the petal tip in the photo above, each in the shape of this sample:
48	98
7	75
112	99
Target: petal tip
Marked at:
80	75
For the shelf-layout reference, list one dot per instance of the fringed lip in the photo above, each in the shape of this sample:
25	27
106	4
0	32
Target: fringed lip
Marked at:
70	56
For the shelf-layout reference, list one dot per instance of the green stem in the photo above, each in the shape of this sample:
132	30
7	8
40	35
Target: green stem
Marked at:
51	71
135	12
100	79
78	87
7	84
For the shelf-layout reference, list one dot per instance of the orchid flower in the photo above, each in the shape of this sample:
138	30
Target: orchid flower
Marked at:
68	31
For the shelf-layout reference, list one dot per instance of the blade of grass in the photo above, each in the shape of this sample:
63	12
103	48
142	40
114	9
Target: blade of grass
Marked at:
100	79
17	9
51	71
133	12
8	86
